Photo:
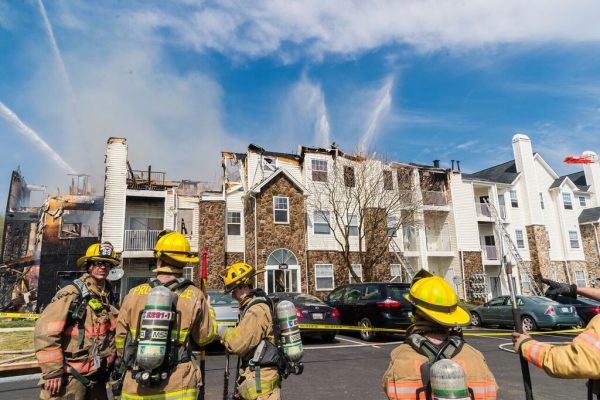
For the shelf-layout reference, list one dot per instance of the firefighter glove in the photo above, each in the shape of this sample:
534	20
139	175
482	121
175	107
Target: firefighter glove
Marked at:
559	289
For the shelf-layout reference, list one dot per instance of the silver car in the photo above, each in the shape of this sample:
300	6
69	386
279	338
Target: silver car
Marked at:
226	309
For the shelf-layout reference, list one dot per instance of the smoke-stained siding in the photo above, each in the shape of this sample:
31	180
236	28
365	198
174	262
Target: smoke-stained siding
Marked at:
115	189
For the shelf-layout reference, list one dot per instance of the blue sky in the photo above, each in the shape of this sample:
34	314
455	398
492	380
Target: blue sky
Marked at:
182	80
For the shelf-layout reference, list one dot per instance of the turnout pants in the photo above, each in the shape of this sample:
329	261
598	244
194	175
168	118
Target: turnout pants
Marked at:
72	389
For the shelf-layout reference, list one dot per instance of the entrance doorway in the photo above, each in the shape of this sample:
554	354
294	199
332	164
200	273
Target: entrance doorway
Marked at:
282	272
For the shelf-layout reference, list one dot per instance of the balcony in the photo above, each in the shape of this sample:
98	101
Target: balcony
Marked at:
439	242
146	180
409	239
434	198
483	210
491	253
140	240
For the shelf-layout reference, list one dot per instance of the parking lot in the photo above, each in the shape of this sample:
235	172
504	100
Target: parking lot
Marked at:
351	369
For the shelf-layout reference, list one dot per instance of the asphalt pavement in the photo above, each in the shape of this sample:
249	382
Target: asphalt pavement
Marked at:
352	369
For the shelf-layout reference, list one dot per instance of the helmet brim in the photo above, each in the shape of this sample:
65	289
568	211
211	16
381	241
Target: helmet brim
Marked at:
457	318
85	259
241	280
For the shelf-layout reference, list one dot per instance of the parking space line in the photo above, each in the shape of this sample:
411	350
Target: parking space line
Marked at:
352	341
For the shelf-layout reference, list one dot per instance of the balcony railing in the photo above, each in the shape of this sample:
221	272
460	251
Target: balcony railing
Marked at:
483	210
409	239
439	241
491	253
432	198
140	239
146	180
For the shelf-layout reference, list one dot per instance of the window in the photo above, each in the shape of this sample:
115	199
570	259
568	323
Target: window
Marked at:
574	239
352	225
396	272
525	282
280	210
234	223
268	164
319	170
336	295
321	224
349	178
388	180
580	278
188	273
323	276
392	225
514	202
497	302
185	222
542	200
79	224
582	201
520	239
357	268
567	203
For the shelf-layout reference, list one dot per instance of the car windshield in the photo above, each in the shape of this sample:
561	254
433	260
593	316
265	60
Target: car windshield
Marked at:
541	299
397	292
306	299
220	299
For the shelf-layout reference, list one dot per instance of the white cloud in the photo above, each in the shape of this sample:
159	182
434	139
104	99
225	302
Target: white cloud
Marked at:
339	26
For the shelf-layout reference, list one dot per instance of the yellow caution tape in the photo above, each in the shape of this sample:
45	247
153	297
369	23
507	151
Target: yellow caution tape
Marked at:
19	315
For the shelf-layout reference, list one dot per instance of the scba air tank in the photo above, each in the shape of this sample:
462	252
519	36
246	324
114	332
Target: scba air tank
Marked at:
154	328
448	381
290	333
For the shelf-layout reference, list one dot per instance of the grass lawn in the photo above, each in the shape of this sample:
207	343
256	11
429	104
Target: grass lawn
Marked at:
17	323
16	341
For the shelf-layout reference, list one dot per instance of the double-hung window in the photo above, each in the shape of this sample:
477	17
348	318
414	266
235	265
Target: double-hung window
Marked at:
324	276
396	272
357	268
319	170
580	278
514	201
567	203
280	210
321	222
352	225
392	225
520	238
542	200
582	201
574	239
234	223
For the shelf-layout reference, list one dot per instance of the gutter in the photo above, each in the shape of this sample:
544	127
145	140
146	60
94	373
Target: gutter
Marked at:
462	267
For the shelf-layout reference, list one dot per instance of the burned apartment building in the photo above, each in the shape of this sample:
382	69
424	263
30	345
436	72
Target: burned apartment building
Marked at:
138	205
310	217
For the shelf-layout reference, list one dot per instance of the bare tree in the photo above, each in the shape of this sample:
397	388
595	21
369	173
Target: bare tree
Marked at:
364	203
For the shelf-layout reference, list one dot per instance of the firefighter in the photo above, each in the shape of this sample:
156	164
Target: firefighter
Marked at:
581	358
437	321
255	324
74	336
179	375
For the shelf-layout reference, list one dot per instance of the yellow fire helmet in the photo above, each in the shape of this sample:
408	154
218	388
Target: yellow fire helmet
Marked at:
173	248
436	299
238	274
99	252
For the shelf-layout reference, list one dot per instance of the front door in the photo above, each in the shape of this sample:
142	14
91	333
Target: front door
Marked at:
282	280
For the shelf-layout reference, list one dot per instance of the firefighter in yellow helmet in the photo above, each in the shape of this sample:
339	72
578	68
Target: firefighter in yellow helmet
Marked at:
255	324
437	322
74	336
177	375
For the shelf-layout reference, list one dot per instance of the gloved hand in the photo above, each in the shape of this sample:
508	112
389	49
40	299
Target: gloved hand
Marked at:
559	289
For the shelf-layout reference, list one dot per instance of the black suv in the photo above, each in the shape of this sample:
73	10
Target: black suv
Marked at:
373	304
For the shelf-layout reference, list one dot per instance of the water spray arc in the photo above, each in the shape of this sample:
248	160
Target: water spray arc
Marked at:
382	105
30	134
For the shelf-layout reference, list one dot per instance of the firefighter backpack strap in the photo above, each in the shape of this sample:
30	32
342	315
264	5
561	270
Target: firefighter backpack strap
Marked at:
79	308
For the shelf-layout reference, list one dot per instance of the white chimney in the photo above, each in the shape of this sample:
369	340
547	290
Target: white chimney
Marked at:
592	177
523	152
115	192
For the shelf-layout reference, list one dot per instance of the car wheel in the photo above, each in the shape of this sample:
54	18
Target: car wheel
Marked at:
366	335
580	324
328	337
475	319
528	324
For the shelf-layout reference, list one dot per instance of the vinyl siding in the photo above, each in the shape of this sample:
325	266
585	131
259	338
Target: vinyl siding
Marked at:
115	188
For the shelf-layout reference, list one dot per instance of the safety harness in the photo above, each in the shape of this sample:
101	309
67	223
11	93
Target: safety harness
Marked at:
77	314
434	352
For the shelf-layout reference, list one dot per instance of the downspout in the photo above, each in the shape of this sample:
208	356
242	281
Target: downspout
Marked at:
595	227
462	268
255	239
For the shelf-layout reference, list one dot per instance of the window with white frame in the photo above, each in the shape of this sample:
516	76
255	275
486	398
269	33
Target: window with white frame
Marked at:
580	278
352	225
321	222
514	201
357	268
319	170
392	225
520	238
396	272
582	201
525	282
280	210
542	200
567	203
234	223
324	276
574	239
269	164
188	273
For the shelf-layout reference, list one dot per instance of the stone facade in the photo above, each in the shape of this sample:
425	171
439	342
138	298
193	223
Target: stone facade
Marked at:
590	238
557	272
212	236
472	265
537	237
271	236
